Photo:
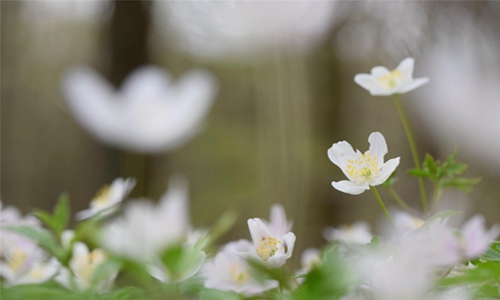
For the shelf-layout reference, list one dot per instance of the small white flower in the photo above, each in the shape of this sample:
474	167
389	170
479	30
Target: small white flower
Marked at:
83	263
382	82
475	239
362	169
358	233
228	271
108	197
273	250
148	113
146	228
40	271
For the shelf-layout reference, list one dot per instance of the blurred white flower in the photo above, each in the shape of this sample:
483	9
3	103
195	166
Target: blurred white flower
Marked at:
462	105
235	28
382	82
146	228
362	169
149	113
278	225
310	258
359	233
273	250
108	198
475	239
83	263
228	271
38	272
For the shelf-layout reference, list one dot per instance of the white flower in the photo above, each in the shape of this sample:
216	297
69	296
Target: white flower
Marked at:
83	263
148	113
362	169
146	228
382	82
273	250
228	271
358	233
475	239
39	271
278	225
311	257
108	197
235	28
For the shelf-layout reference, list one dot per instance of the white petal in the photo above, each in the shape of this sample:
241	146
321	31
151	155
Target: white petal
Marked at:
385	171
340	153
367	81
350	187
279	225
477	239
93	102
378	146
146	83
84	214
406	67
379	71
411	85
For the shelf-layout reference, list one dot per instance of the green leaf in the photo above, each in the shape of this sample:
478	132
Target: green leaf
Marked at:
374	243
430	164
210	294
106	270
47	219
61	213
419	173
459	183
483	273
443	214
41	236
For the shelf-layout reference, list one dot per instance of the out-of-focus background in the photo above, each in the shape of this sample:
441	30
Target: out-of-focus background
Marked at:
286	94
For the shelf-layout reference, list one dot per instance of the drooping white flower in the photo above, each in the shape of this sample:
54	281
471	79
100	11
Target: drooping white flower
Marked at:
362	169
228	271
108	197
382	82
273	250
149	113
146	228
359	233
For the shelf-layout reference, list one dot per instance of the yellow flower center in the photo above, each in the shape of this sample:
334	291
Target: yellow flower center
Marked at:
239	273
101	198
363	168
16	261
37	273
88	263
390	80
268	247
417	222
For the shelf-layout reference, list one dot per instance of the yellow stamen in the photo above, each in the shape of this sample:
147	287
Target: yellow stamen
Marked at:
239	273
363	168
17	260
268	247
101	198
390	80
37	273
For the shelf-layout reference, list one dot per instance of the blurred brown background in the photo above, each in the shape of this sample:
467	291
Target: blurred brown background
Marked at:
277	112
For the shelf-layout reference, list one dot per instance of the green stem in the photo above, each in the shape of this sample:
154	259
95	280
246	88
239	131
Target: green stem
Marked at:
398	198
447	272
437	195
374	190
413	147
281	281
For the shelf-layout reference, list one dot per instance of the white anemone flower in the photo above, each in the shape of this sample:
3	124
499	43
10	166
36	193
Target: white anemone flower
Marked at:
359	233
272	250
362	169
228	271
149	113
108	197
382	82
146	228
83	263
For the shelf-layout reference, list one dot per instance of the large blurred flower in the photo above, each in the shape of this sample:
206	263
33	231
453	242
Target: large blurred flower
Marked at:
382	82
146	228
362	169
231	28
228	271
149	113
108	197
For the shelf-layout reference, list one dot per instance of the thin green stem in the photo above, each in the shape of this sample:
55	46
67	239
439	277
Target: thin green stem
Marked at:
281	281
177	291
413	147
447	272
437	195
374	190
398	199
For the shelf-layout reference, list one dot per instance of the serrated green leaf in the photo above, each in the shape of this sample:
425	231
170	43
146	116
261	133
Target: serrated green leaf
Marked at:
430	164
459	183
47	219
491	255
420	173
374	242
